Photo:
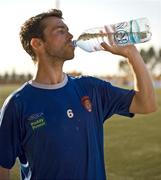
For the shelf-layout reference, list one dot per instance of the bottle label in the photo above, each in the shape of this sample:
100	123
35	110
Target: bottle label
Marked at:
121	37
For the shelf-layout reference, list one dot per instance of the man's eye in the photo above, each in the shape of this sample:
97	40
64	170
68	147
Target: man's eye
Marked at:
61	31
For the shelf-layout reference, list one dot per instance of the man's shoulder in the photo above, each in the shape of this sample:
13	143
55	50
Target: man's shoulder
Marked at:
12	101
90	81
85	79
16	94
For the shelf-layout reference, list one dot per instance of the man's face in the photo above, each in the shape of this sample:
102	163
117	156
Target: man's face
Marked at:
57	39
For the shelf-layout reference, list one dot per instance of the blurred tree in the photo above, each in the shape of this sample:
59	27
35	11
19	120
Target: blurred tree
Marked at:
151	58
123	67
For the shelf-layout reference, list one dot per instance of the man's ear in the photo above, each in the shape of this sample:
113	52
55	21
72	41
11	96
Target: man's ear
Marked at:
36	43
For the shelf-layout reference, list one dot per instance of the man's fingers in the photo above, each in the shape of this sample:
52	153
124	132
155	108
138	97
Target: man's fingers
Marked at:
106	47
110	32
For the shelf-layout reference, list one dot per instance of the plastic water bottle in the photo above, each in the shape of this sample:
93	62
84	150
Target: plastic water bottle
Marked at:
121	34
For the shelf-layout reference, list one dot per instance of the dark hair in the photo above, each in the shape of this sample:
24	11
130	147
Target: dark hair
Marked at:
34	27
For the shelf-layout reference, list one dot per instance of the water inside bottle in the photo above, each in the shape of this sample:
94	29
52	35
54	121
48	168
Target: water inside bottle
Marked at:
92	41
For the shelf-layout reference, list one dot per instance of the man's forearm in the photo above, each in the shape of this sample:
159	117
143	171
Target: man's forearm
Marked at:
4	174
142	82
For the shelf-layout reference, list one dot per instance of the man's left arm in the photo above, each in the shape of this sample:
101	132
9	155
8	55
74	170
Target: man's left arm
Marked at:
144	100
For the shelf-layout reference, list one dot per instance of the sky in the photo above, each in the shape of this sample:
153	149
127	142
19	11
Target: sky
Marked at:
79	15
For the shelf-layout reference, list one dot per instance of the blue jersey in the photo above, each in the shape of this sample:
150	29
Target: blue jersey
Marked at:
57	131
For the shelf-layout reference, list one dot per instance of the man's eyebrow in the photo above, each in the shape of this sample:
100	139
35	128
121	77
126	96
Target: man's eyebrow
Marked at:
61	27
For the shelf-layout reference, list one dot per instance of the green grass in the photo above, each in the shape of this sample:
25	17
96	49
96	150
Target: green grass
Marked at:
132	146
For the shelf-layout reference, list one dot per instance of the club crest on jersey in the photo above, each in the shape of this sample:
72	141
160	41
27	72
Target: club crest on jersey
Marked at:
86	102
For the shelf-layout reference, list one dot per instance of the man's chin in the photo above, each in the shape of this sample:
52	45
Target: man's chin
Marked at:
70	57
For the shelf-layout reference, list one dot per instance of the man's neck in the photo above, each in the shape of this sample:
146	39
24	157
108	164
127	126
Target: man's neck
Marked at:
47	74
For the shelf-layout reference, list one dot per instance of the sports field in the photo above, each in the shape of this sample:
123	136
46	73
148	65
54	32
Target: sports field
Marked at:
132	146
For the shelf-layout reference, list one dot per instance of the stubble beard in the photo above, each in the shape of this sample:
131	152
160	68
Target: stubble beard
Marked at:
59	55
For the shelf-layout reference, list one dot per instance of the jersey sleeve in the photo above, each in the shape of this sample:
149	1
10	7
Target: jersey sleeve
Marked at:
109	99
10	147
106	98
115	100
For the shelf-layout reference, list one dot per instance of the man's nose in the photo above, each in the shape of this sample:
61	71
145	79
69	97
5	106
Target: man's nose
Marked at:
70	35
